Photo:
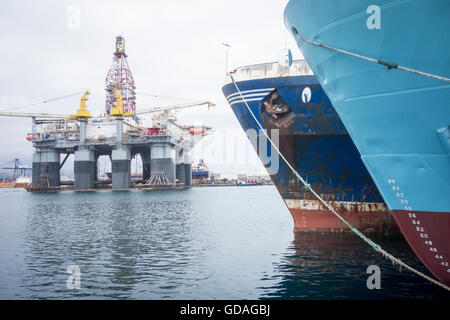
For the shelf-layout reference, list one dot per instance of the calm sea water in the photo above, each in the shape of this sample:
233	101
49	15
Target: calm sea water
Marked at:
202	243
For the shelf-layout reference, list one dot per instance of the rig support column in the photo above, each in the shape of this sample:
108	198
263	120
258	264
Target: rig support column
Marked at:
84	169
36	171
121	168
119	132
96	157
146	168
163	160
188	168
82	131
84	164
180	166
46	164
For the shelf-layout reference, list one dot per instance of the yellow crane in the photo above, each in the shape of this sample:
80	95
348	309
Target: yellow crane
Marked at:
82	113
117	110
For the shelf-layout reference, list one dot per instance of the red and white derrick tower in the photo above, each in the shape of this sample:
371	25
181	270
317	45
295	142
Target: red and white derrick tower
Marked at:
119	77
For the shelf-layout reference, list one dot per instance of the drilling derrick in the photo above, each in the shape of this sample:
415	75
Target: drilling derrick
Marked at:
119	78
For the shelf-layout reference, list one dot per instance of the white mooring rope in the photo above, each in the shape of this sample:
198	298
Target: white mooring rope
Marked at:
356	231
390	65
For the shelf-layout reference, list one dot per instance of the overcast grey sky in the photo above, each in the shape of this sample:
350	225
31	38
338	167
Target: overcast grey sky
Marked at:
174	49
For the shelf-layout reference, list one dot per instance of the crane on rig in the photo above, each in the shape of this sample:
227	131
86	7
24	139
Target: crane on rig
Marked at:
117	109
120	102
70	124
34	115
163	110
155	109
175	107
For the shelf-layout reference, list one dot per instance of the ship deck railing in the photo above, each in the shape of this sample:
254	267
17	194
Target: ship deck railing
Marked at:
270	70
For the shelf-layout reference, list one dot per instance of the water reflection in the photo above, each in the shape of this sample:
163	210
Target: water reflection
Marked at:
334	266
203	243
112	238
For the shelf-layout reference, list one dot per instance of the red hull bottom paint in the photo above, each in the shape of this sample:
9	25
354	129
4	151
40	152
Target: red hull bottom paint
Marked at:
312	215
428	234
326	221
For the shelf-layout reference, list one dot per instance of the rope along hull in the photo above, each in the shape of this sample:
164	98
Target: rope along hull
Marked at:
398	120
316	143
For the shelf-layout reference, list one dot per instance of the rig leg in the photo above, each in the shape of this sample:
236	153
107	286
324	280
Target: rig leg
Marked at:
36	172
121	168
46	164
163	160
180	168
84	169
188	168
146	169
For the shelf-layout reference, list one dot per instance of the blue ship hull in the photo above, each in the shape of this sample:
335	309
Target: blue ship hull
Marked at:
316	143
398	120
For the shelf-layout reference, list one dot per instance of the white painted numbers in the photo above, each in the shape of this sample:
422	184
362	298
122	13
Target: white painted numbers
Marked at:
374	280
373	22
74	280
415	221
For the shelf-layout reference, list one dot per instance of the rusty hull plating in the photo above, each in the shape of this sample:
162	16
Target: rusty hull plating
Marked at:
316	143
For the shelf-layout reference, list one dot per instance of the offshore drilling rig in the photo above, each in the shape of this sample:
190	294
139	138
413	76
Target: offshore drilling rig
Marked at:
163	147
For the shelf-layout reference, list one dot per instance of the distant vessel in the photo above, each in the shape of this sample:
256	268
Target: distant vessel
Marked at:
243	183
315	142
137	177
200	172
19	182
399	120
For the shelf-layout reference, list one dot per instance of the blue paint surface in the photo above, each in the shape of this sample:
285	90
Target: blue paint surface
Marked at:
397	119
312	137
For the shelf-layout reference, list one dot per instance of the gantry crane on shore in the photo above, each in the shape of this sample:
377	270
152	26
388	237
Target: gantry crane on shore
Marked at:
17	166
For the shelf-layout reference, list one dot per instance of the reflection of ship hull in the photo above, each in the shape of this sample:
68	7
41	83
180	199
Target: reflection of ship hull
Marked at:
335	266
398	120
315	142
